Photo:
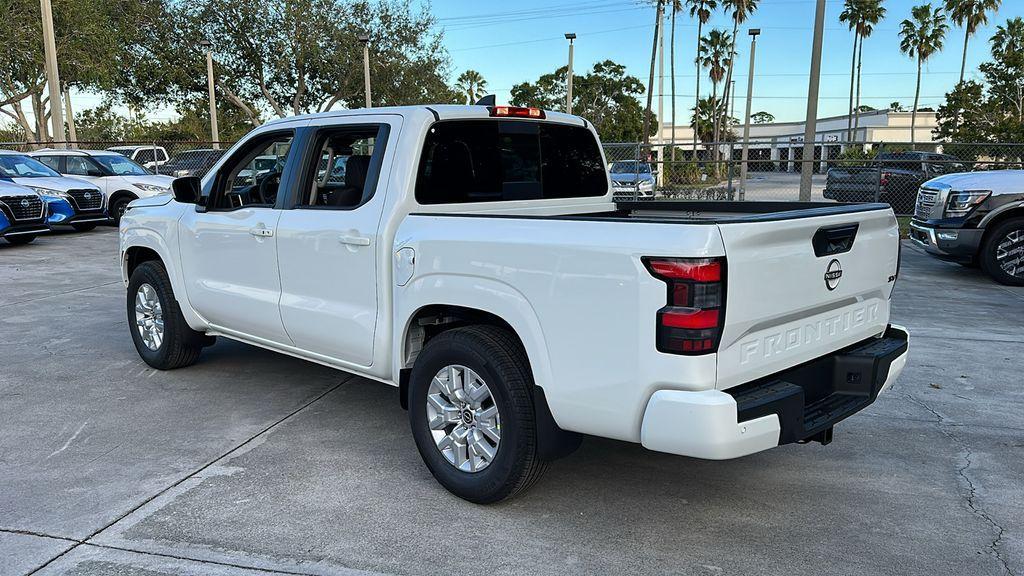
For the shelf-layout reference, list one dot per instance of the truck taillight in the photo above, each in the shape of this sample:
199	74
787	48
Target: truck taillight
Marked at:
884	178
692	319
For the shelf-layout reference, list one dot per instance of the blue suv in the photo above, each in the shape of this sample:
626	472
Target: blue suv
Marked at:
22	214
72	201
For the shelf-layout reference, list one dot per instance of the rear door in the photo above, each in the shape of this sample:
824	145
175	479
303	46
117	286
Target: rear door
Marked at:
328	238
800	288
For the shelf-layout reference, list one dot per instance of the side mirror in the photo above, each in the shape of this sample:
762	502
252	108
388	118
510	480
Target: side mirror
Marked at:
187	190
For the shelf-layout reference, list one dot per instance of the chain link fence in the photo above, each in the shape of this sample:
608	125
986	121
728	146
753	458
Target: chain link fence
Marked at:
169	157
888	172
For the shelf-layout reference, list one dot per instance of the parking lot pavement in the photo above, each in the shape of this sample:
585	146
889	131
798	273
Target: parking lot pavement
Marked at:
251	462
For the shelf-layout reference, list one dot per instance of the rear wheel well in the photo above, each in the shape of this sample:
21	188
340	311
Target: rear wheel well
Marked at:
137	255
430	321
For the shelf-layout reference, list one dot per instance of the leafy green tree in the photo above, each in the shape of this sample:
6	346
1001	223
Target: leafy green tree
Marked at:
861	16
96	40
606	96
472	84
921	37
969	15
762	117
896	107
285	57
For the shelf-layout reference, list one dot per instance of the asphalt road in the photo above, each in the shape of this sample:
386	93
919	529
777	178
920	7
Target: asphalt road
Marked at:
250	462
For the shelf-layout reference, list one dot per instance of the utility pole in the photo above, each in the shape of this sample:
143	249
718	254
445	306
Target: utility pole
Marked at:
365	39
210	84
72	131
754	32
568	77
811	122
650	83
52	75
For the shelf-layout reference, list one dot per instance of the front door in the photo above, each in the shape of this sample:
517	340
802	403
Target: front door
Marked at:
229	245
328	241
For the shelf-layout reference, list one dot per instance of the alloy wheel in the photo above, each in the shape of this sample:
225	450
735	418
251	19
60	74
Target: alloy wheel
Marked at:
463	418
1010	253
149	317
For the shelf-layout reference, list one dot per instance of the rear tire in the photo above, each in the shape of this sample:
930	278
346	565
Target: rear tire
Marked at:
1002	252
484	357
84	226
161	336
21	239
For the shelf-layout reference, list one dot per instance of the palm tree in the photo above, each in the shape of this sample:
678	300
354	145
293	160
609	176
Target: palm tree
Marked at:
741	10
921	37
701	10
650	85
849	15
969	15
701	120
472	84
676	7
872	12
714	55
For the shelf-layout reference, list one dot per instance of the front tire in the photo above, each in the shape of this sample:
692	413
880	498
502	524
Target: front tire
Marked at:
159	331
21	239
118	207
472	415
1002	253
84	226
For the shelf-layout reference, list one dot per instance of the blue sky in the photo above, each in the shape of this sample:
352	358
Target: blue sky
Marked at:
514	42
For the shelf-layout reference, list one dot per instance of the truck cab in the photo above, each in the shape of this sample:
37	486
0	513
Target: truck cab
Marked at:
474	257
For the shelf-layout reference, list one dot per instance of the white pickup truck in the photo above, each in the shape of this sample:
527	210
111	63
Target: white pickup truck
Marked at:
472	256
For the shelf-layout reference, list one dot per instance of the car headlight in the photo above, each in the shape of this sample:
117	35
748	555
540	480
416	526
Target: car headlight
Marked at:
150	187
960	203
49	193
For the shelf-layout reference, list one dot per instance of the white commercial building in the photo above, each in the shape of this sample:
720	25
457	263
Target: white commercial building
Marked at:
782	142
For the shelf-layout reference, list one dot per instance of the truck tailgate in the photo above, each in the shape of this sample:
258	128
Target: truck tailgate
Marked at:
795	292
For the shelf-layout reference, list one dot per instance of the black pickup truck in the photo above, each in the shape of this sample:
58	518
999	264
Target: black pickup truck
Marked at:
892	178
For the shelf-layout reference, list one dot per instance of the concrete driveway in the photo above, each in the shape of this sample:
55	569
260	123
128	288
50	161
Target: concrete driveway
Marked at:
251	462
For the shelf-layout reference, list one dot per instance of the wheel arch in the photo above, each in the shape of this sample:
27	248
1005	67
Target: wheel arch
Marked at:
141	244
430	320
121	194
997	219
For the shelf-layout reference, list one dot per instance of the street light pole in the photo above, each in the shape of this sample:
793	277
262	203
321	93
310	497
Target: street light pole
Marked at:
210	87
52	75
365	39
754	32
568	77
811	122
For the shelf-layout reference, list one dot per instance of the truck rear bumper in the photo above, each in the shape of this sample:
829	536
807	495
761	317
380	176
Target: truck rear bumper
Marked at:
796	405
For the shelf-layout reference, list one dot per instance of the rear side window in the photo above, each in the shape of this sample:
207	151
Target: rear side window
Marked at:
489	161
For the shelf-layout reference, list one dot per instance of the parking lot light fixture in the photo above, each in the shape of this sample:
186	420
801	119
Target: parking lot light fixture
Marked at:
570	36
207	47
365	40
754	33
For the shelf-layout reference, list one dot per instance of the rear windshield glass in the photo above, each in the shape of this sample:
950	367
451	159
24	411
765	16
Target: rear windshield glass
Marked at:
493	160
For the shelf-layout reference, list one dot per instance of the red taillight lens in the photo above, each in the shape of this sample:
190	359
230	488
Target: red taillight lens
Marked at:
516	112
692	319
884	178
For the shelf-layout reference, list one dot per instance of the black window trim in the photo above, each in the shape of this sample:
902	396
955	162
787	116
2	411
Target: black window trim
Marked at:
284	189
311	154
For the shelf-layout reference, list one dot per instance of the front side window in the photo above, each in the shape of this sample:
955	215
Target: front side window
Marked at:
495	160
18	166
252	176
346	164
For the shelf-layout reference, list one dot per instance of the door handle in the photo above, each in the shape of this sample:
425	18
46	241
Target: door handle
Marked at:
261	232
354	240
